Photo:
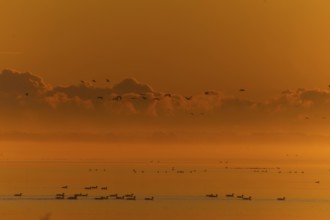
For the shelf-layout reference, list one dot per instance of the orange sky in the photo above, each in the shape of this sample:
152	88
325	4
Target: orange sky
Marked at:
265	46
276	50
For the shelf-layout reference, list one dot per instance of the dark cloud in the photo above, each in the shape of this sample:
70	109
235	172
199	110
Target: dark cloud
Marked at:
138	102
131	85
15	83
83	91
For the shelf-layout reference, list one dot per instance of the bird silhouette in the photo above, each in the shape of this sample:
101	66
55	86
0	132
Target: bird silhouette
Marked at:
188	98
242	90
230	195
117	98
212	195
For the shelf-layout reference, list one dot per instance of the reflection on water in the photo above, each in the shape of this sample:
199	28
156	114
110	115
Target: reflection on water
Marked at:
179	190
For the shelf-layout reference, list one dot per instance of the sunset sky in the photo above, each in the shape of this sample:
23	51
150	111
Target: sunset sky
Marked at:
265	46
200	104
277	50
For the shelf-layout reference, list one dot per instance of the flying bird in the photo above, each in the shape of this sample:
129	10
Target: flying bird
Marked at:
210	93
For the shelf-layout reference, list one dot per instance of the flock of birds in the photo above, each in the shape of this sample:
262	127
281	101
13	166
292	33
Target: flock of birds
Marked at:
143	96
116	196
242	197
132	196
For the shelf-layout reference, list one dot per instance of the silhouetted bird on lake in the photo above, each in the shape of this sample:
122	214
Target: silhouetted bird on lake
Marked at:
72	197
27	94
117	98
120	197
107	80
188	98
131	198
129	195
100	97
149	198
212	195
281	198
18	195
230	195
242	90
101	197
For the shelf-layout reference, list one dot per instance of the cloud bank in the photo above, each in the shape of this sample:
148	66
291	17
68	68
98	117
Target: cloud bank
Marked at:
27	100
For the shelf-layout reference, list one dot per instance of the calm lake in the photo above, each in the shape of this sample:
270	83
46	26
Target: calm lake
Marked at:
179	189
